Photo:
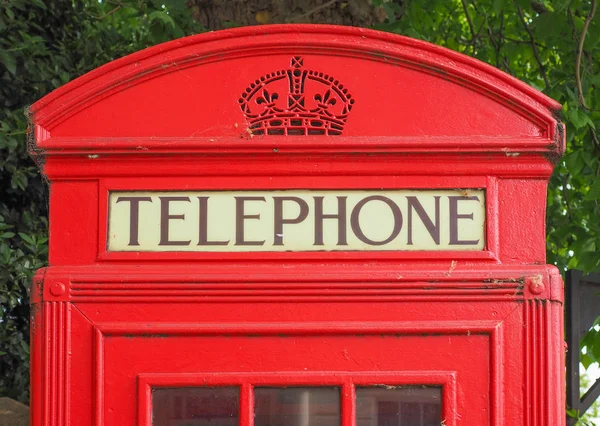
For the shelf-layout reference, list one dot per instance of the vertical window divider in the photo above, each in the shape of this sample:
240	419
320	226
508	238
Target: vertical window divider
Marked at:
246	404
348	403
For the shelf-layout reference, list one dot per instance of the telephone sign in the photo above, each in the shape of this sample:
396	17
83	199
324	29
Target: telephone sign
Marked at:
296	221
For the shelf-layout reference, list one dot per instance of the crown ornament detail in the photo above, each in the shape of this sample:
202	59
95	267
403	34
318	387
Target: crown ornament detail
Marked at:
296	101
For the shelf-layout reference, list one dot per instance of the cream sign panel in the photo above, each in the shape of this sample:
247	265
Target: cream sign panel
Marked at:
297	220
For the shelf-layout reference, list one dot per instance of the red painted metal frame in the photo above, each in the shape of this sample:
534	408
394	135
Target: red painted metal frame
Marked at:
347	383
107	326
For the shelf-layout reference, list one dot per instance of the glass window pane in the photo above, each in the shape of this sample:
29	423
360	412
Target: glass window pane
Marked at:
398	406
297	407
195	406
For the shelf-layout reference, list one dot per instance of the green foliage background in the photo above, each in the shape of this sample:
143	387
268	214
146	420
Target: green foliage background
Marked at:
553	45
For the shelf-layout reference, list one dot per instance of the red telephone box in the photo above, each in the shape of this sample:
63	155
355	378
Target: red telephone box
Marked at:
299	226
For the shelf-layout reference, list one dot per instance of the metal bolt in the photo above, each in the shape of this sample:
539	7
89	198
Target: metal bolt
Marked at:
536	284
57	289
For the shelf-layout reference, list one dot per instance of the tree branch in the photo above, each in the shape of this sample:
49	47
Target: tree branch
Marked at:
536	54
514	40
507	66
475	37
471	27
584	30
495	46
595	139
106	15
501	39
538	7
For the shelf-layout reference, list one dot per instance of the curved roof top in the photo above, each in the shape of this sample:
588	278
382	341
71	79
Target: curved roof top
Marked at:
190	89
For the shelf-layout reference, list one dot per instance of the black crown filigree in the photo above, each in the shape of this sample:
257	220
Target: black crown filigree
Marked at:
296	101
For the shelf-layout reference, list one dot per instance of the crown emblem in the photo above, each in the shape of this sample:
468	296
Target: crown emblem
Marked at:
296	101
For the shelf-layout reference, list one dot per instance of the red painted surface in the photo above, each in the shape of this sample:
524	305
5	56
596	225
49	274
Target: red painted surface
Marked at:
107	326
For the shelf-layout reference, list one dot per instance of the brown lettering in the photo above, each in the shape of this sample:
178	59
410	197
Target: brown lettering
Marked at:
355	223
280	221
203	222
165	217
340	216
454	217
434	230
240	217
134	217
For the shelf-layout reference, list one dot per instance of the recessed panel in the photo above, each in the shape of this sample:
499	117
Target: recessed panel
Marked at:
285	359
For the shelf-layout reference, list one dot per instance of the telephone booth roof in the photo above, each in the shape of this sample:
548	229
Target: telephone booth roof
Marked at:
199	95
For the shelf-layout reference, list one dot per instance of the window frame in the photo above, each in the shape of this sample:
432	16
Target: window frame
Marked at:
346	381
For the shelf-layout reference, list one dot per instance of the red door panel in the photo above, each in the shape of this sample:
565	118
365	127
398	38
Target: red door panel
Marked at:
338	344
276	357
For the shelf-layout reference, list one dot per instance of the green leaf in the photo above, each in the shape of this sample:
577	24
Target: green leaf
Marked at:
579	118
19	181
594	191
39	3
391	16
574	162
158	15
411	32
26	238
497	6
586	360
9	61
549	25
595	349
573	413
560	5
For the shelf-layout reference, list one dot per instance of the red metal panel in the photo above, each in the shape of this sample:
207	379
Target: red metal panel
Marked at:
107	326
74	224
522	232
